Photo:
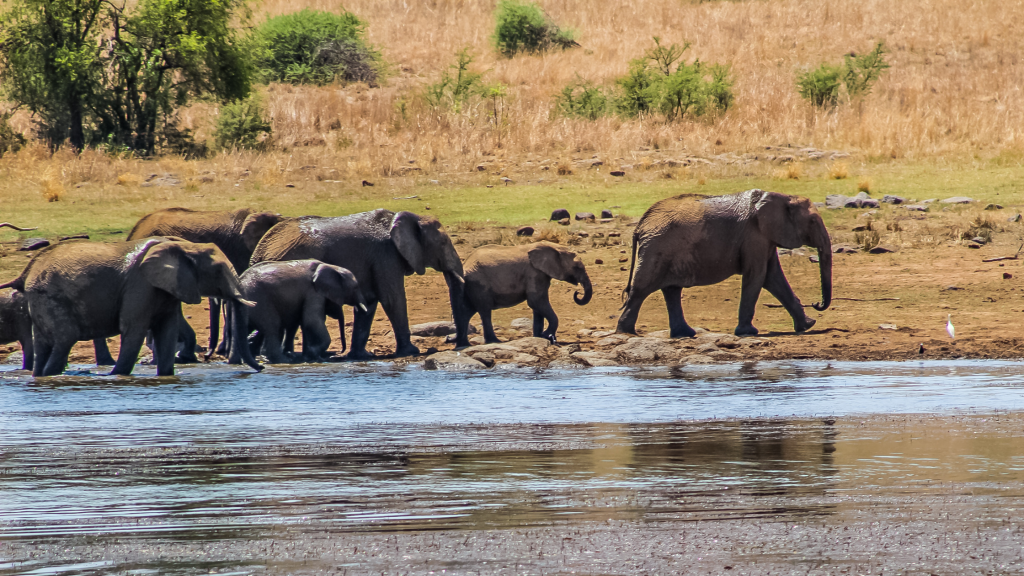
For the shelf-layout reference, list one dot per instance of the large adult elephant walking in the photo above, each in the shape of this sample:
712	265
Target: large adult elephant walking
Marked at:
235	232
381	248
92	290
693	240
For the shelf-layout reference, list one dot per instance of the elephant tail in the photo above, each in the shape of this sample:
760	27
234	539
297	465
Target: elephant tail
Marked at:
19	282
632	265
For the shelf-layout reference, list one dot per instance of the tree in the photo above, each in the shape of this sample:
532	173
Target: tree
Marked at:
112	71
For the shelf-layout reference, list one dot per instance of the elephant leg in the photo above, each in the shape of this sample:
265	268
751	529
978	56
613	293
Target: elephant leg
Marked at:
27	352
398	313
631	309
131	344
273	346
288	341
187	336
776	284
315	337
678	327
43	348
225	345
485	319
361	322
103	357
165	334
753	281
462	318
58	358
542	310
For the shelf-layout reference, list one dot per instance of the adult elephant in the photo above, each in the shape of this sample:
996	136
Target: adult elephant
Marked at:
381	248
694	240
235	232
90	290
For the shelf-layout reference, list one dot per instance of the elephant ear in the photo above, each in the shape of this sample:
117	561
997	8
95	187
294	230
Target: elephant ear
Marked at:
777	221
256	225
549	261
328	283
168	267
405	233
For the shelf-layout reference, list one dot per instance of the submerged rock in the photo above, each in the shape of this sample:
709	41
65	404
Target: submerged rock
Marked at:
452	360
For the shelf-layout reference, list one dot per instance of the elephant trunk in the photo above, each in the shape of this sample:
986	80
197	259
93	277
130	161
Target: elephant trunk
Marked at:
460	314
821	241
588	291
214	327
240	334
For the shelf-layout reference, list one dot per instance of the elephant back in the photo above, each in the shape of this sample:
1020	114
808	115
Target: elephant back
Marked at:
328	239
219	227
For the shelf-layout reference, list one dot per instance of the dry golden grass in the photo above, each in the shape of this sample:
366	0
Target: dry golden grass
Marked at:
839	171
791	171
864	184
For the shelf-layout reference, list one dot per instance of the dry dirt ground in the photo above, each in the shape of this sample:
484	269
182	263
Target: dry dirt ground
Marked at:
910	291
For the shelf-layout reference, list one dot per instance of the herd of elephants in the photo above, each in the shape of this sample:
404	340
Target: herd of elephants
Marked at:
274	275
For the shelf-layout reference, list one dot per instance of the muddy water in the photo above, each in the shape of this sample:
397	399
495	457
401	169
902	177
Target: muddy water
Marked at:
782	467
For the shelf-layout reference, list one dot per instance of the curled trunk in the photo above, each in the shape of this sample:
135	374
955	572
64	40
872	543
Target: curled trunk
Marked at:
588	291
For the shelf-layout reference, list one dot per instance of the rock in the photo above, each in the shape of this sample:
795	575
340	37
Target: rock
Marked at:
524	358
834	201
14	358
617	173
882	249
979	240
973	245
568	350
598	261
1007	276
525	231
928	201
646	350
993	207
868	203
75	237
697	359
861	228
613	340
588	216
439	328
595	359
614	234
845	248
33	244
604	333
163	180
952	288
887	327
485	358
500	351
724	355
890	199
530	345
476	340
481	168
1016	218
559	214
957	200
452	360
367	183
917	207
752	342
728	342
706	336
606	213
708	347
522	324
663	334
564	221
814	259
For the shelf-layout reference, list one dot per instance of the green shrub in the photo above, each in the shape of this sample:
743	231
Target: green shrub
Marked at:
523	27
457	85
242	124
582	100
693	89
861	72
314	47
821	85
10	140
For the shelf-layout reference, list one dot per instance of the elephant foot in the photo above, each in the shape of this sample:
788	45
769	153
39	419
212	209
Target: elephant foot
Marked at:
805	325
186	358
407	350
357	355
747	330
621	328
684	332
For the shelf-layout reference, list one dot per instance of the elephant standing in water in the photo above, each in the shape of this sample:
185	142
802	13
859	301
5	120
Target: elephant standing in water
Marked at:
92	290
235	232
381	248
504	276
694	240
15	324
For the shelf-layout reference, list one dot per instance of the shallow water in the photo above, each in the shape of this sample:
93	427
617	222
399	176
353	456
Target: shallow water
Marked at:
218	454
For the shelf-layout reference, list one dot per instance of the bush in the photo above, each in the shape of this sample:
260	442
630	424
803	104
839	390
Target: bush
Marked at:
821	86
582	100
523	27
10	140
242	124
858	75
314	47
457	85
861	72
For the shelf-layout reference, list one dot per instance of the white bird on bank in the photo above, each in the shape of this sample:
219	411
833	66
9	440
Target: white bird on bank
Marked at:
949	326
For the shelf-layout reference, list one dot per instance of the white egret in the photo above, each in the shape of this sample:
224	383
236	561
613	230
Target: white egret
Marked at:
949	326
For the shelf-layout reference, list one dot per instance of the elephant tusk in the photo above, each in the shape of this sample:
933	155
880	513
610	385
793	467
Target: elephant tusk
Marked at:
362	307
248	303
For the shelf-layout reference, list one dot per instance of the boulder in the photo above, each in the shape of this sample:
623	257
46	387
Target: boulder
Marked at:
525	231
917	207
452	360
606	213
485	358
646	350
957	200
439	328
530	345
33	244
890	199
586	216
845	248
522	324
559	214
697	359
834	201
868	203
707	347
524	358
613	340
595	359
993	207
882	249
500	351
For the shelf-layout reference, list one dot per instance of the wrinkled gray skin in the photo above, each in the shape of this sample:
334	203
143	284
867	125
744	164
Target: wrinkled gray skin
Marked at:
381	248
292	295
90	290
505	276
15	324
235	232
693	240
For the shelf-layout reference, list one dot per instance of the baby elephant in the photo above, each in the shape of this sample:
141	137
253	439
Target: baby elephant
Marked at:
15	324
504	276
296	294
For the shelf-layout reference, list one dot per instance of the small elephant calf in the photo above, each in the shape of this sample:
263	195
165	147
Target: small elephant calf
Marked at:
295	294
15	324
504	276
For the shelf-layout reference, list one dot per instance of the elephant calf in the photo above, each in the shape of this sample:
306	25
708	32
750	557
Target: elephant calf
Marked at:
15	324
291	295
504	276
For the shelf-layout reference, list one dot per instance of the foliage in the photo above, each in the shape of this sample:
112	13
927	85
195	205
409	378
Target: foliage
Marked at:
314	47
640	89
106	73
857	74
10	140
523	27
457	84
243	125
582	100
